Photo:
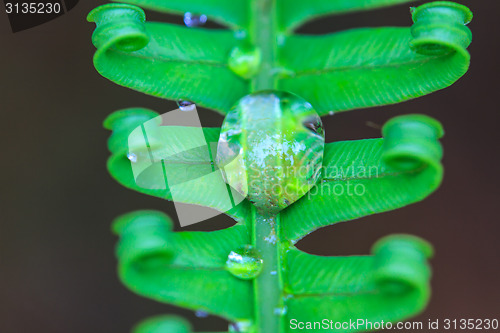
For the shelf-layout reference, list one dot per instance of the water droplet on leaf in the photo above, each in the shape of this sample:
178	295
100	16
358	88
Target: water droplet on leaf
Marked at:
192	20
240	326
240	34
244	262
186	105
132	157
282	159
281	39
281	311
201	314
245	61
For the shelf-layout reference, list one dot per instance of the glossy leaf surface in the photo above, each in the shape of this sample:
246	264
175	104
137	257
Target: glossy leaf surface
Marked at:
165	60
176	267
384	70
179	267
336	72
195	169
390	285
371	176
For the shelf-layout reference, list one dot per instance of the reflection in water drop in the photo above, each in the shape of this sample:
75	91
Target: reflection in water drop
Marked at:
244	262
191	20
201	314
271	238
132	157
186	105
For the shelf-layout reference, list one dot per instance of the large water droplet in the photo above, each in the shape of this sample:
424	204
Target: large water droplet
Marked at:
201	314
244	262
132	157
185	105
192	20
279	161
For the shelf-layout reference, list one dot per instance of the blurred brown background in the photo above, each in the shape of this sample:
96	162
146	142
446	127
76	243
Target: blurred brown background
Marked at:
57	266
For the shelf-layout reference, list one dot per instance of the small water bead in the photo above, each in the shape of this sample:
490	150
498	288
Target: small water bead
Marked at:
244	262
331	113
281	311
281	39
240	34
132	157
243	326
274	272
201	314
185	105
192	20
245	61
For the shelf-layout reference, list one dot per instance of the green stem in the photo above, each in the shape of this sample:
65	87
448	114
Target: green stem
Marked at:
268	286
263	34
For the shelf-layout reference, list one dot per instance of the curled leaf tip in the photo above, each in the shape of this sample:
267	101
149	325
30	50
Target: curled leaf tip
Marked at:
119	26
143	239
401	263
411	141
440	28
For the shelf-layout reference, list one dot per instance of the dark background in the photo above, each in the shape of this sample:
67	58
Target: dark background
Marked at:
57	265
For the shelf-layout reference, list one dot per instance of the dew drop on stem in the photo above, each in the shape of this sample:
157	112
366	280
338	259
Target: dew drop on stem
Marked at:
281	311
244	262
